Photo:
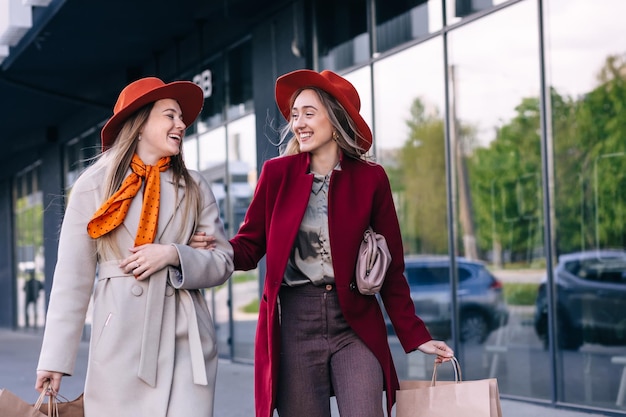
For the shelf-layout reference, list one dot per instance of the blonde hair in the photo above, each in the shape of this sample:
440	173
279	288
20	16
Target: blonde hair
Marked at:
116	162
347	132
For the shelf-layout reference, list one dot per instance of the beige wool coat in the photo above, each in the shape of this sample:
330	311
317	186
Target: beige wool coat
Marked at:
153	350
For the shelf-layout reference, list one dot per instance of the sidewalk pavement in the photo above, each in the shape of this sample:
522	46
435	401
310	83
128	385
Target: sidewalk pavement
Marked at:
19	351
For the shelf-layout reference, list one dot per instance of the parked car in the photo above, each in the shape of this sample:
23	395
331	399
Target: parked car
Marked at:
481	302
590	294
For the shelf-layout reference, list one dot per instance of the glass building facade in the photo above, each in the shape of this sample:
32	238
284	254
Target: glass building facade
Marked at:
502	127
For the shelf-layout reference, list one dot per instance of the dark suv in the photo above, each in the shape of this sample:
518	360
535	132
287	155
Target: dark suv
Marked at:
481	303
590	290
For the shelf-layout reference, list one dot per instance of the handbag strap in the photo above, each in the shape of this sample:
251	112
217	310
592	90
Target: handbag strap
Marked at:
369	237
455	366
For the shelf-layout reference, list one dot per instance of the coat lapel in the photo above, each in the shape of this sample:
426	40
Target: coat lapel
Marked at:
168	206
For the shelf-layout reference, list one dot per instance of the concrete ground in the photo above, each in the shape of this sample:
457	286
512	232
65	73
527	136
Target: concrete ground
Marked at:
19	351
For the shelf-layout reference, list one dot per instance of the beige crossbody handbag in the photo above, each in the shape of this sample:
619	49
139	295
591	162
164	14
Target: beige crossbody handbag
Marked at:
372	263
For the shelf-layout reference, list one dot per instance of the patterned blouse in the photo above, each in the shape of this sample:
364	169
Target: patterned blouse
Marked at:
310	261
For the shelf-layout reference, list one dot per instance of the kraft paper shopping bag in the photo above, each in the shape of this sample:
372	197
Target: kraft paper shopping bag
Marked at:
458	398
63	407
13	406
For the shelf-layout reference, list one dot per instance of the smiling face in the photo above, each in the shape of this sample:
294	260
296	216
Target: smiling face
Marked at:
311	125
162	134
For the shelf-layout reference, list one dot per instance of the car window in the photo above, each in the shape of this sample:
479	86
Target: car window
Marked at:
425	275
464	274
434	275
608	270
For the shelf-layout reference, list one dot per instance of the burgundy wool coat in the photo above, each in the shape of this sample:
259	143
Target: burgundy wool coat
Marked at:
359	195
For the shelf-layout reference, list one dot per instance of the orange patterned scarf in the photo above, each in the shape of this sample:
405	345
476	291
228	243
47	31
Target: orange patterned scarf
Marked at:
114	210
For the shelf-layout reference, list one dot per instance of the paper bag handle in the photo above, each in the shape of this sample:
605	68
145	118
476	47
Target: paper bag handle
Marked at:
53	407
457	371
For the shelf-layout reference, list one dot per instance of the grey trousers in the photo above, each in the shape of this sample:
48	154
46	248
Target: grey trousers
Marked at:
321	356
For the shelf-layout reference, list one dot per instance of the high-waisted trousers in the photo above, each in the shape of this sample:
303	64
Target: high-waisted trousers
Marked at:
321	356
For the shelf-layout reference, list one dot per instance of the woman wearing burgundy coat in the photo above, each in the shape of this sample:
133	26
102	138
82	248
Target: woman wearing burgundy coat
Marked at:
317	335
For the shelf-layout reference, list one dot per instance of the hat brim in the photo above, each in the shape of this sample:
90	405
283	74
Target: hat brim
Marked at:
288	84
189	96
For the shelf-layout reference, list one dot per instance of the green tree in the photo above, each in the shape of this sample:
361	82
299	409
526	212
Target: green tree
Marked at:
506	187
590	163
422	173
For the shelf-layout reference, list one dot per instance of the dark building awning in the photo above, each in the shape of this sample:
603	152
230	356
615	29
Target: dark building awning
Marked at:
79	54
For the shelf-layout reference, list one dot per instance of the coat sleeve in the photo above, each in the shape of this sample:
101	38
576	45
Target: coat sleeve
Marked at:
201	268
73	282
395	292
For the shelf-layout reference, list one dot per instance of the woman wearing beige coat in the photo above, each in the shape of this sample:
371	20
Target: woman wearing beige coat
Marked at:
153	347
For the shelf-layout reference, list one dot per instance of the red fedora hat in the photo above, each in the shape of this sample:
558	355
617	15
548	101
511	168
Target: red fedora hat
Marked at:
147	90
335	85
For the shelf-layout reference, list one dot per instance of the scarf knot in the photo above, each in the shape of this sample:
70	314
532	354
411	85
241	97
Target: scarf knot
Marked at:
113	212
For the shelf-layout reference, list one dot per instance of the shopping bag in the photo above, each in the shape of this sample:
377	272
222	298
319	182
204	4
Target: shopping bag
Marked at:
62	407
458	398
13	406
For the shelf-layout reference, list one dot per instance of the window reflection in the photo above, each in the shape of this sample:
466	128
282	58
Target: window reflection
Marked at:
495	148
589	202
212	152
240	98
245	284
213	83
409	143
342	32
190	152
78	154
459	9
402	21
362	81
28	215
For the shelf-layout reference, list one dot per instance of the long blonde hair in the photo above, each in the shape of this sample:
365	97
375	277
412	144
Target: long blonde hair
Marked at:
342	124
116	162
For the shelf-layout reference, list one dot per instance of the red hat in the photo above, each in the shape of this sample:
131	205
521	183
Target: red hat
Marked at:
338	87
147	90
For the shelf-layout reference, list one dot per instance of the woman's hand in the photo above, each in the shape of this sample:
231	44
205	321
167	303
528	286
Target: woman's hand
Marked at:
439	348
200	240
43	377
145	260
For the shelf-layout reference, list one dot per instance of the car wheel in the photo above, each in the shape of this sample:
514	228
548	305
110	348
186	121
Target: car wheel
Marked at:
570	338
474	327
541	329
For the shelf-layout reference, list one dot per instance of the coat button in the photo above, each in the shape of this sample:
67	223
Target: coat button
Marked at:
169	291
136	290
352	286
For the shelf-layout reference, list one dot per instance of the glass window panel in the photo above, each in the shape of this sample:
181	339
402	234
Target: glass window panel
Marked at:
409	143
402	21
496	172
28	215
240	66
211	79
79	153
362	81
587	80
212	165
459	9
242	165
212	152
245	284
190	152
342	33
